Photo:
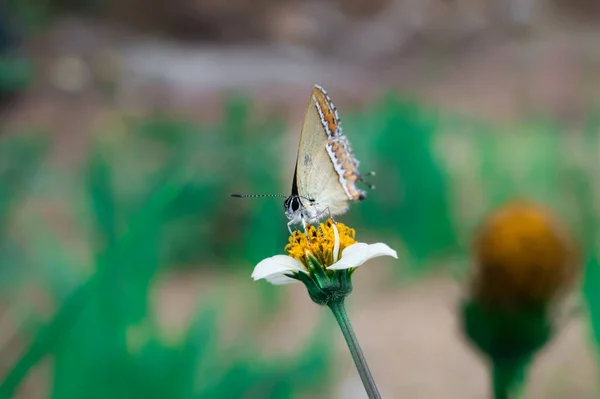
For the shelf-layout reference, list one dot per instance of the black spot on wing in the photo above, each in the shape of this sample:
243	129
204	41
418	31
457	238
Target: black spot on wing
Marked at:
307	160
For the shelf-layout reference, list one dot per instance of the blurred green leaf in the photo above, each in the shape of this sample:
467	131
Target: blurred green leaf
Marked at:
412	194
102	199
20	158
591	294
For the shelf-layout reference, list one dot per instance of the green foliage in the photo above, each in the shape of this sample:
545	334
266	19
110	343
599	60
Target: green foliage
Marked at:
585	187
411	197
592	295
16	70
16	73
205	224
32	15
104	338
20	158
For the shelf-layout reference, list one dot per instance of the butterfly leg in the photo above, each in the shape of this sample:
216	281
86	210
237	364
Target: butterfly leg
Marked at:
304	224
325	211
321	232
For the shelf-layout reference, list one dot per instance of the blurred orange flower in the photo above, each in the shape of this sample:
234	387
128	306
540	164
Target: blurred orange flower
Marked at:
523	257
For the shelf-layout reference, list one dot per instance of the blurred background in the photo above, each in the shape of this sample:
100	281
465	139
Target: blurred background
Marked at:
125	125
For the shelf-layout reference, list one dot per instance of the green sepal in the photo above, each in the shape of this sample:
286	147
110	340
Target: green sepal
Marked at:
508	338
325	286
502	334
316	269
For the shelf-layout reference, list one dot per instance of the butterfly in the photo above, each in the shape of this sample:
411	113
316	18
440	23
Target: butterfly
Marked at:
326	172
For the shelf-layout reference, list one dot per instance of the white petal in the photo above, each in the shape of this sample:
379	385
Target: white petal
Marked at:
281	279
381	249
336	243
357	254
275	268
352	256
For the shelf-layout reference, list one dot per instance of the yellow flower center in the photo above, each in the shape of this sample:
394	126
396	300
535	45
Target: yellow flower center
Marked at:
321	244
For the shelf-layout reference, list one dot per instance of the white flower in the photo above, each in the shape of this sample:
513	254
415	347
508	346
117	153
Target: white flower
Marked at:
278	268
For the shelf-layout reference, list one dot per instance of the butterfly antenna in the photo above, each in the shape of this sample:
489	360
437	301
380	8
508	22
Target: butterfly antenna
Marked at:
258	195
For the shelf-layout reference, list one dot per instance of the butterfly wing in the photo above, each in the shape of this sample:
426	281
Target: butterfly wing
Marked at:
325	168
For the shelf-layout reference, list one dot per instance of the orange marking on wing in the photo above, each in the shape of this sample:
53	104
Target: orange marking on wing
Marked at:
328	111
354	192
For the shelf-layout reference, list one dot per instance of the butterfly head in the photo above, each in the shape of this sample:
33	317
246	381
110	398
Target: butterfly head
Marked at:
293	206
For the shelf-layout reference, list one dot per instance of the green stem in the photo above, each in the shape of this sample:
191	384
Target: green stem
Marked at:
339	311
507	378
499	385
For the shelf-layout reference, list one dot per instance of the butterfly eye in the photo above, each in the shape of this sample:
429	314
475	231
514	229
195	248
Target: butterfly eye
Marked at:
295	204
292	204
